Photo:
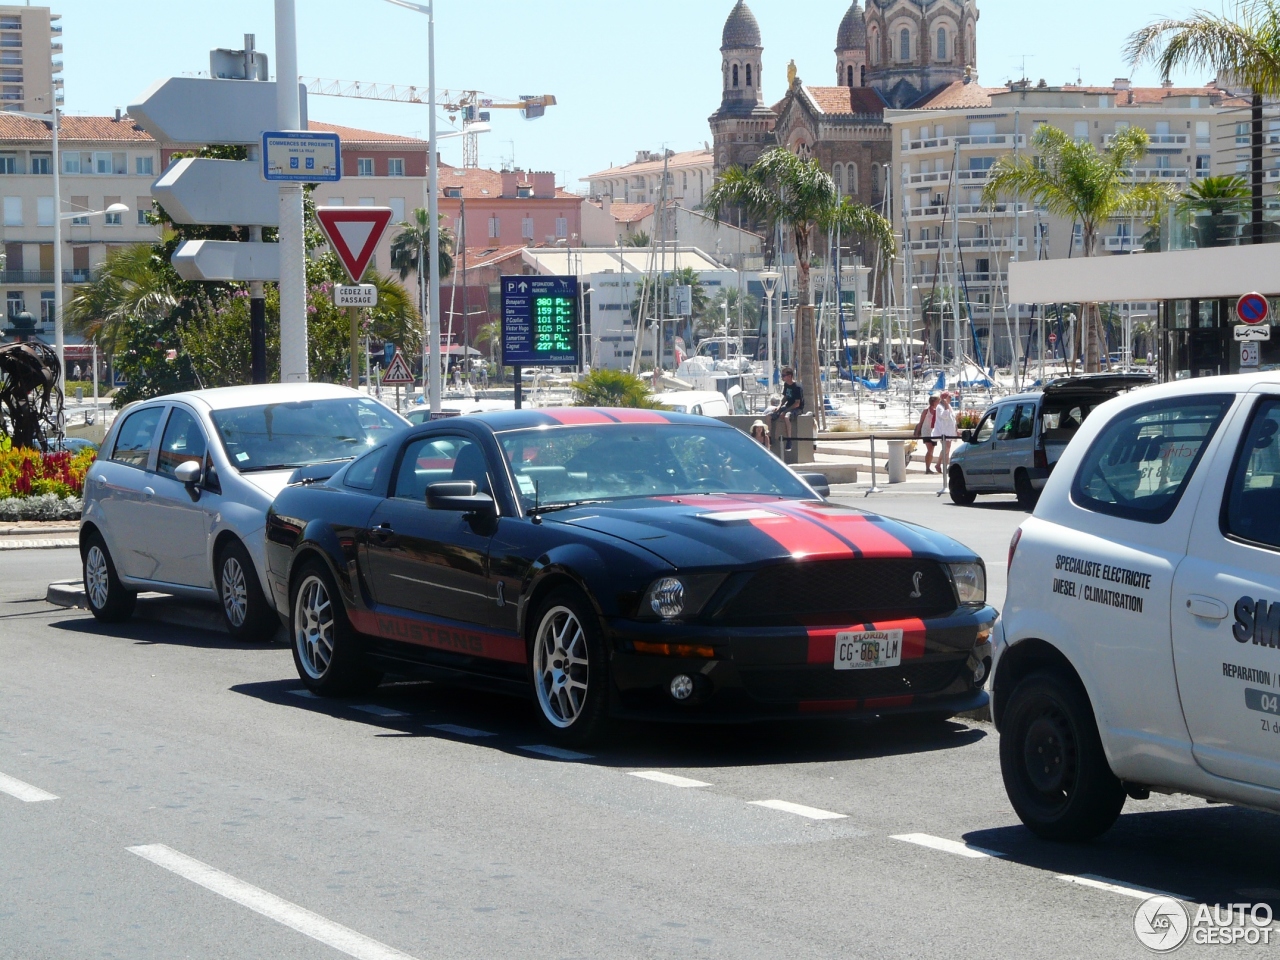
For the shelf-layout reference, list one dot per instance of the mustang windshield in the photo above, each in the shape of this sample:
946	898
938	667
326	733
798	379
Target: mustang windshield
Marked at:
614	461
277	436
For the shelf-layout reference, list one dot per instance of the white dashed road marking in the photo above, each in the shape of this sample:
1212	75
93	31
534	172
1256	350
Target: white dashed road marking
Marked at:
556	752
269	905
23	791
670	779
378	711
947	846
786	806
1124	889
458	731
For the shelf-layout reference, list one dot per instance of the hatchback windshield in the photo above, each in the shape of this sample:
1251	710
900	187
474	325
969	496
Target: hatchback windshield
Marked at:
277	436
565	464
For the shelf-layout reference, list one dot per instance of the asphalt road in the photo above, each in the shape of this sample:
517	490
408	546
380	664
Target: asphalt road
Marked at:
205	809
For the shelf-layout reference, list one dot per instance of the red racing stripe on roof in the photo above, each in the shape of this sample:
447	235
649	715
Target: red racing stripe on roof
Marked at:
576	416
639	416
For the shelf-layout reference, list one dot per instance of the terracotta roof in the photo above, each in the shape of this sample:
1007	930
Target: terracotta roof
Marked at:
89	129
355	135
957	95
844	101
688	158
629	212
1149	95
480	184
478	257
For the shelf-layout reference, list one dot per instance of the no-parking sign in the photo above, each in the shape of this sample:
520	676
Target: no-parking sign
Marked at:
1253	308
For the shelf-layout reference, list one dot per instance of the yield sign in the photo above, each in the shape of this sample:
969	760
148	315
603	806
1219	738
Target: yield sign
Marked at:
354	233
397	373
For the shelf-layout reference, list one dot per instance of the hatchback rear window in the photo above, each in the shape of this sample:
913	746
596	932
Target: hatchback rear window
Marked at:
1139	465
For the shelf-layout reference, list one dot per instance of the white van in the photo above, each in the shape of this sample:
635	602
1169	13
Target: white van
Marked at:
705	403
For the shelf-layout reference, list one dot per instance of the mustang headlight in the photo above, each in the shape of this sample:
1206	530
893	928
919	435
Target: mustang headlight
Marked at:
671	598
971	582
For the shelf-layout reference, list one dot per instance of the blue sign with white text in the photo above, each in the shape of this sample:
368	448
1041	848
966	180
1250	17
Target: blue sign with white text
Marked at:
540	321
293	156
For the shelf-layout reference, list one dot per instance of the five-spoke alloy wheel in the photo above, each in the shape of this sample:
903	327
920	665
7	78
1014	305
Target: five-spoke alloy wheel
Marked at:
568	668
326	648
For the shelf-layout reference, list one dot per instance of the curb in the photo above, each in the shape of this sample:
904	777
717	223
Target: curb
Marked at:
156	607
13	543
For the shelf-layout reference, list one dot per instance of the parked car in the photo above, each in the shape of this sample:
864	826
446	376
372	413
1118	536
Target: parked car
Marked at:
621	563
458	408
1019	440
1139	650
71	445
705	403
178	498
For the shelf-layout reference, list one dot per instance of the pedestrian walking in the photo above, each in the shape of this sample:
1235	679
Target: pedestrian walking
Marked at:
75	373
944	429
760	434
924	430
792	405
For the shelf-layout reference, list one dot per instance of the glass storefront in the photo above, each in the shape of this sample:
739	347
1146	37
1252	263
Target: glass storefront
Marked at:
1198	340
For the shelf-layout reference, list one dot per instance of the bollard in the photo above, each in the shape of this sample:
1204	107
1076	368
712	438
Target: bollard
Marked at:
897	466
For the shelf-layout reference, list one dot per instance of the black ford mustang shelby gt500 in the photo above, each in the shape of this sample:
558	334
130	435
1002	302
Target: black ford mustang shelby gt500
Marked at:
621	563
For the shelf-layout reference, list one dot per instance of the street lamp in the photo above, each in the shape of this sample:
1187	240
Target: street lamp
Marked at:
770	280
433	204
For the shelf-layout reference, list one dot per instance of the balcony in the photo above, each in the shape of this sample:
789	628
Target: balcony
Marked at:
6	41
1121	244
1159	174
56	29
55	47
1156	140
44	277
945	176
1007	140
972	243
10	59
57	66
967	210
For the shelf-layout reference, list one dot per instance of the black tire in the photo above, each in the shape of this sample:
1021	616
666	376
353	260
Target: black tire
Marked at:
245	610
1055	771
1027	495
961	496
571	696
326	648
107	599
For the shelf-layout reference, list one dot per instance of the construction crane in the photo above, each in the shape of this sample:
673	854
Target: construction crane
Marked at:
471	105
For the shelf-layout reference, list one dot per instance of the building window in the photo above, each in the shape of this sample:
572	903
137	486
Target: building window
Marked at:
735	76
850	72
364	166
748	74
904	44
44	211
46	306
102	163
71	163
112	219
495	228
144	166
367	202
453	193
526	228
41	163
862	79
851	177
8	163
395	167
562	228
1204	164
837	177
1077	235
1202	133
144	211
524	193
397	209
875	178
15	303
1082	131
120	164
942	43
79	203
13	211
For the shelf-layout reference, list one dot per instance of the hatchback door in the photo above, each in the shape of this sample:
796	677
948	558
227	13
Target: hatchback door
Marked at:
180	525
1226	607
124	490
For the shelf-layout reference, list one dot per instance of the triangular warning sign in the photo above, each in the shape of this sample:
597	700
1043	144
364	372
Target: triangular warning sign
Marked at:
354	232
398	373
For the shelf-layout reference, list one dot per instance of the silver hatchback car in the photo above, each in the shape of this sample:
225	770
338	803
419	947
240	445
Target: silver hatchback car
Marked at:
177	500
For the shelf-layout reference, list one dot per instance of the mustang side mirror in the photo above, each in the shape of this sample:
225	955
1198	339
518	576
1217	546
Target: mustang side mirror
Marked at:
819	482
460	496
966	436
188	474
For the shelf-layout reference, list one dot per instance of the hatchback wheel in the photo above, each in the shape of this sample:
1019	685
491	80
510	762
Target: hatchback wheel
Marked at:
568	668
245	610
326	648
108	600
960	493
1055	771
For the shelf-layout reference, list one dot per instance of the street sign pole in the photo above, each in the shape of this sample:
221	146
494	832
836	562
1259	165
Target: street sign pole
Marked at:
433	208
519	386
293	280
353	313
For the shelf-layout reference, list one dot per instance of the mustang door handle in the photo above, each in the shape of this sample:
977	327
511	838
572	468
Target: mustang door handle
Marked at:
1207	607
148	492
384	532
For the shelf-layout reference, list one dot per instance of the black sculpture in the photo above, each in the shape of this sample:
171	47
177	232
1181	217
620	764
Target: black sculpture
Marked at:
31	402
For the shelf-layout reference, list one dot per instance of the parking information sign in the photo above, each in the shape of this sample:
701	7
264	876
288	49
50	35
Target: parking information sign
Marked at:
540	321
301	157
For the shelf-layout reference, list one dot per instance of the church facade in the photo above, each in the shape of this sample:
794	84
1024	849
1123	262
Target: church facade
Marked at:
895	54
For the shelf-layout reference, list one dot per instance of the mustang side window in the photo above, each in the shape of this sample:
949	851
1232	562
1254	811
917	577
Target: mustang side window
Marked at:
363	474
437	459
183	440
1251	511
133	443
1139	465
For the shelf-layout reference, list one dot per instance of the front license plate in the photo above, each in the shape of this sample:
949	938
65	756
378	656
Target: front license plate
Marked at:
868	649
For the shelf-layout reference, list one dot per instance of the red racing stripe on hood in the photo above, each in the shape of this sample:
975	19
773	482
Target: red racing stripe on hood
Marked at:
822	640
868	536
803	539
576	416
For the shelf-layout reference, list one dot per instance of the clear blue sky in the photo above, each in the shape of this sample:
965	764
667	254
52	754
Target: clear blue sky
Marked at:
628	75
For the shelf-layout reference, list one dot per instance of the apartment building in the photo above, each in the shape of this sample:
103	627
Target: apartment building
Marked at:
103	161
941	159
689	176
30	58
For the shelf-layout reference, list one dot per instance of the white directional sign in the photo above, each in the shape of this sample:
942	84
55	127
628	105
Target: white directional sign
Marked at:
300	157
1248	334
363	295
197	110
226	260
218	192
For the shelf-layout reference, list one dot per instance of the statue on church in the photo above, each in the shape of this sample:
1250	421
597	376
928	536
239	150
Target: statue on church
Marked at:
792	73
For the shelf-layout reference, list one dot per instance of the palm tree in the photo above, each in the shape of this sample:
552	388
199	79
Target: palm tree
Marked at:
611	388
1242	48
409	252
1077	183
133	283
783	189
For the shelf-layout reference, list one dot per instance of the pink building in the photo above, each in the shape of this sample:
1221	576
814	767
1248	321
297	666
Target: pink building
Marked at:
509	208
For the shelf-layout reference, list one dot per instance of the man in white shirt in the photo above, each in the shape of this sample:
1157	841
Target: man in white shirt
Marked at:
944	429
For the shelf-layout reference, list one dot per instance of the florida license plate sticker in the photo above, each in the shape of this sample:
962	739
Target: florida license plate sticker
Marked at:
868	649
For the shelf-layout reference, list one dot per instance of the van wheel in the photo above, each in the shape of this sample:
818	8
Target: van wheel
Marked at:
1027	495
1051	758
961	495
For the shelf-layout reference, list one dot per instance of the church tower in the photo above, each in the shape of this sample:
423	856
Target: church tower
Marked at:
916	46
743	126
851	49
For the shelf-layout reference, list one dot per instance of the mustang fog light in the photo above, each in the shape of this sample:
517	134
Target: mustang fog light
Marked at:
979	671
682	686
667	598
971	582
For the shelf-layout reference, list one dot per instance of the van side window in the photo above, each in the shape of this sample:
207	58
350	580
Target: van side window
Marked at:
1024	422
1251	508
1139	465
